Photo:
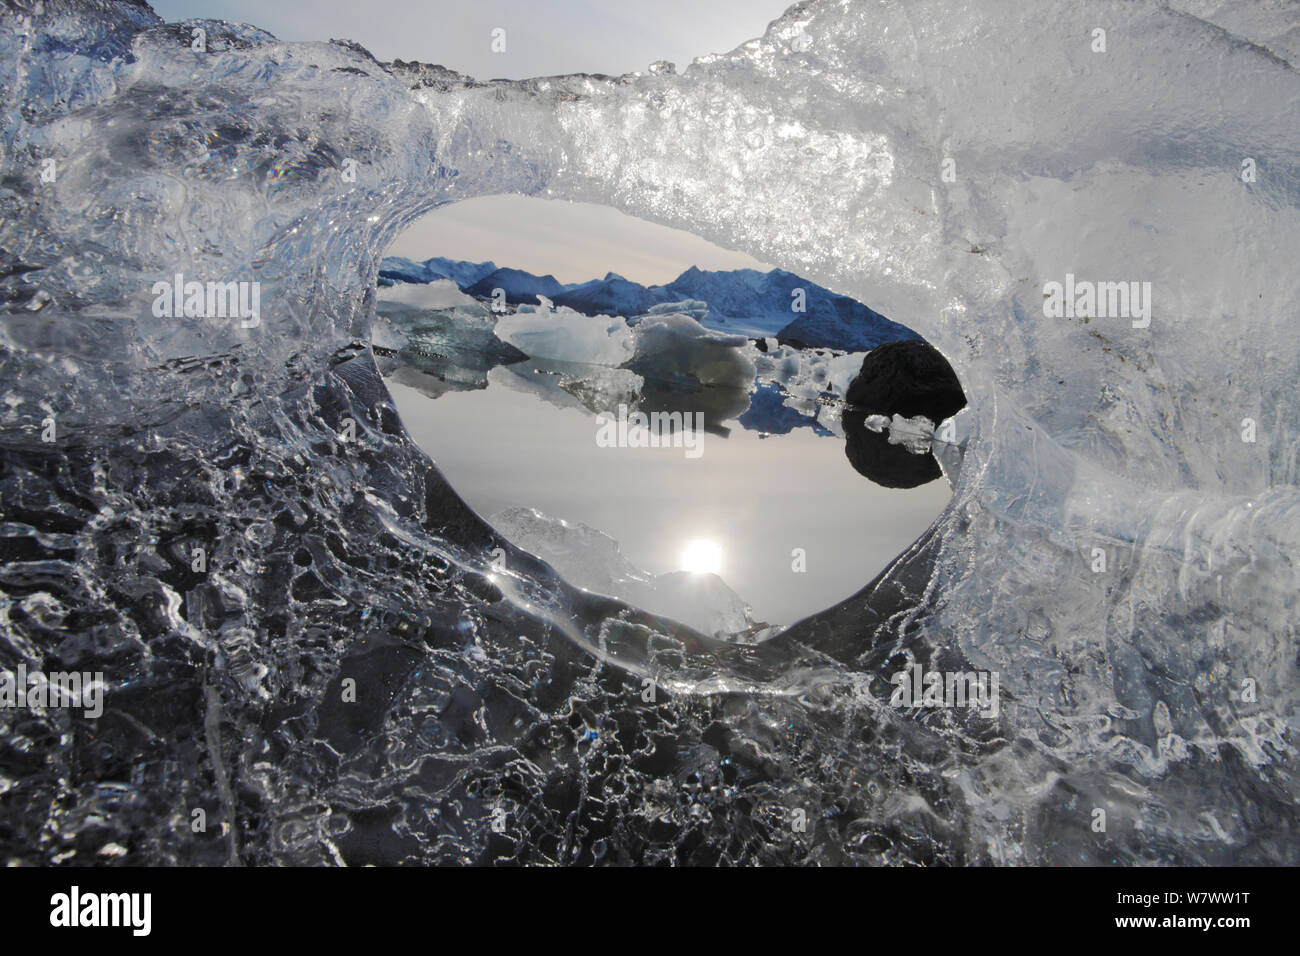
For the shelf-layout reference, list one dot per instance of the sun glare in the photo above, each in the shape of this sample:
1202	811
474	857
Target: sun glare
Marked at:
702	556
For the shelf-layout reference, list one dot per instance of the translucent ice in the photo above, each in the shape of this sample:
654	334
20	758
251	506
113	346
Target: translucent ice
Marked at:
591	559
675	347
568	335
1121	546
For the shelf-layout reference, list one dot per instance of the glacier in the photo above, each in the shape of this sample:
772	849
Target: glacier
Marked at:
232	524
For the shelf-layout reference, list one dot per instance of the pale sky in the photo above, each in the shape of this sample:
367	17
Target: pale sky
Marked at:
571	241
543	37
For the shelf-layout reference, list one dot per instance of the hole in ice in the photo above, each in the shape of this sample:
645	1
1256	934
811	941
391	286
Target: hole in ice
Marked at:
675	433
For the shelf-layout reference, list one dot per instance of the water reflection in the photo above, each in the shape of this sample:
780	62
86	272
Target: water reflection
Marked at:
904	379
799	531
874	457
635	452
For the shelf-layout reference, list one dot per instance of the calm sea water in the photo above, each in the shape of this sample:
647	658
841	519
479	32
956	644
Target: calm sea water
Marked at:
757	498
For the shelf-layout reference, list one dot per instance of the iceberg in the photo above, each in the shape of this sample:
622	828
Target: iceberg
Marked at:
675	348
774	303
232	524
567	335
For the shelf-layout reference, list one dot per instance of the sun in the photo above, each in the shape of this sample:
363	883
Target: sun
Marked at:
702	556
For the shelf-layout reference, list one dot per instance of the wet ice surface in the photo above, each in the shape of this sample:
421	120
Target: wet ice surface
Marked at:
757	498
331	560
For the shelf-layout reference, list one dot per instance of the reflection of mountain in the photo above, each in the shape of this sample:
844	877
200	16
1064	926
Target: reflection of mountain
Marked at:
741	300
769	413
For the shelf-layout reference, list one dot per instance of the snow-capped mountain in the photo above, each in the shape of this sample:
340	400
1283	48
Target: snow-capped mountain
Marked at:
612	295
464	274
519	286
777	303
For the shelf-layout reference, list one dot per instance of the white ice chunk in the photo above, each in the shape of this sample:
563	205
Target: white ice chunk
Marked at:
914	434
442	294
674	345
567	335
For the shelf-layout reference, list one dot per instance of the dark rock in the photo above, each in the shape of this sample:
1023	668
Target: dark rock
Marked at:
873	457
898	378
907	378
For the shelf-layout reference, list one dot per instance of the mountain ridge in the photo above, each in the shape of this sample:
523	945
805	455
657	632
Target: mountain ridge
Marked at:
760	304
